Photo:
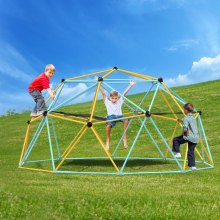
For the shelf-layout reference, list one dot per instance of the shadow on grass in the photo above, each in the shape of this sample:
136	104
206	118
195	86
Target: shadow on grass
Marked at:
119	162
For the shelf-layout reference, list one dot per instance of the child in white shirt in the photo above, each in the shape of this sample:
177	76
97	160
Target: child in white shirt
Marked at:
113	106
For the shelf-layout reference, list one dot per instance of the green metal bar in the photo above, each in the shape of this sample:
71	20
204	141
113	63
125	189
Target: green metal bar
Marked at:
152	139
145	96
55	137
72	98
152	101
135	140
125	98
166	144
56	98
116	149
51	149
180	100
33	141
204	135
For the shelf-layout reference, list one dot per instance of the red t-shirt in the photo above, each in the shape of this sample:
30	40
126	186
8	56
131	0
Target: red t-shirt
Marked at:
40	83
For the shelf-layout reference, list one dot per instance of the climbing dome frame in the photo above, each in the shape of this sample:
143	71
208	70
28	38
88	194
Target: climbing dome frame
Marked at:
59	159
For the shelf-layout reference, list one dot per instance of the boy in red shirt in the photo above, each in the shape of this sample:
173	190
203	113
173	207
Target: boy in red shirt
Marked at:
40	83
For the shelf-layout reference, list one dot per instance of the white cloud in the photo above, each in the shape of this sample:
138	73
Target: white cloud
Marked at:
205	69
146	6
70	90
182	44
19	102
13	63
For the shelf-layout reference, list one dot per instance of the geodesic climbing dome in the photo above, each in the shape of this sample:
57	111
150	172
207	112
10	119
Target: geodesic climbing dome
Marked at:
69	137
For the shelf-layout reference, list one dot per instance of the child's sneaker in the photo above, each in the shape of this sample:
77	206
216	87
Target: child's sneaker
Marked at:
33	114
39	113
178	155
107	147
193	168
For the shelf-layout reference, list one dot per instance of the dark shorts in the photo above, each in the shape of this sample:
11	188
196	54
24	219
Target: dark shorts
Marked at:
111	117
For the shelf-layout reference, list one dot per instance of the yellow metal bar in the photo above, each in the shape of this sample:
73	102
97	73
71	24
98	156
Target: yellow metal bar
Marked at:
36	118
94	102
205	150
172	97
90	74
170	142
109	73
103	146
196	115
160	116
165	99
198	154
67	119
70	116
184	165
64	158
74	139
137	74
128	117
25	142
27	168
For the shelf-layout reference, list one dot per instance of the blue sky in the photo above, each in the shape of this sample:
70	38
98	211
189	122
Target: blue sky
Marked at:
178	40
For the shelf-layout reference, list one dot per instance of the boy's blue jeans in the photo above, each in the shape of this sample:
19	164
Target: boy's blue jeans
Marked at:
111	117
39	99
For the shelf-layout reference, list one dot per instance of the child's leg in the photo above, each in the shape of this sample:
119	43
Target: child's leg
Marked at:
191	155
176	143
39	99
41	106
108	132
125	136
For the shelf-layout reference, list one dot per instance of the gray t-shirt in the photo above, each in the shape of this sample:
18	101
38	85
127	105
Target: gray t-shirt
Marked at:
189	124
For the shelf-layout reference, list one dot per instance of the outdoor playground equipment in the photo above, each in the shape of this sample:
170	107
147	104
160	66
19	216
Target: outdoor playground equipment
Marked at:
152	125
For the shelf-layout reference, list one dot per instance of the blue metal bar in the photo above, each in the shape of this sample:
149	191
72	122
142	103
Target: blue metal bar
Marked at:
121	139
55	137
204	168
56	98
135	140
166	144
152	101
204	135
149	172
34	139
151	137
180	100
82	172
72	98
145	96
200	136
126	98
51	149
179	97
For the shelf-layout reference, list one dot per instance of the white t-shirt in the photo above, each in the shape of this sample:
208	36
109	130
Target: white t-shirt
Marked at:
114	108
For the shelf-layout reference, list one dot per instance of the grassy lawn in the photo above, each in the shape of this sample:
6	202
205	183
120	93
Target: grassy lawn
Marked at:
27	194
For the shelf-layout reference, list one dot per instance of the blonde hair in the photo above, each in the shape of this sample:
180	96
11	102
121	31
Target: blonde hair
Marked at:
113	93
50	67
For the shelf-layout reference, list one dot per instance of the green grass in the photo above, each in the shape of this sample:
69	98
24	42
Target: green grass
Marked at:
35	195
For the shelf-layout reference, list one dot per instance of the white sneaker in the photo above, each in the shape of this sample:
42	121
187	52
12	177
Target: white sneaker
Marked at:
39	113
33	114
178	155
193	168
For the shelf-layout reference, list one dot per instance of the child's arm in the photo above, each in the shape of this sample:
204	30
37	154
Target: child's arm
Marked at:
103	93
129	87
51	93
